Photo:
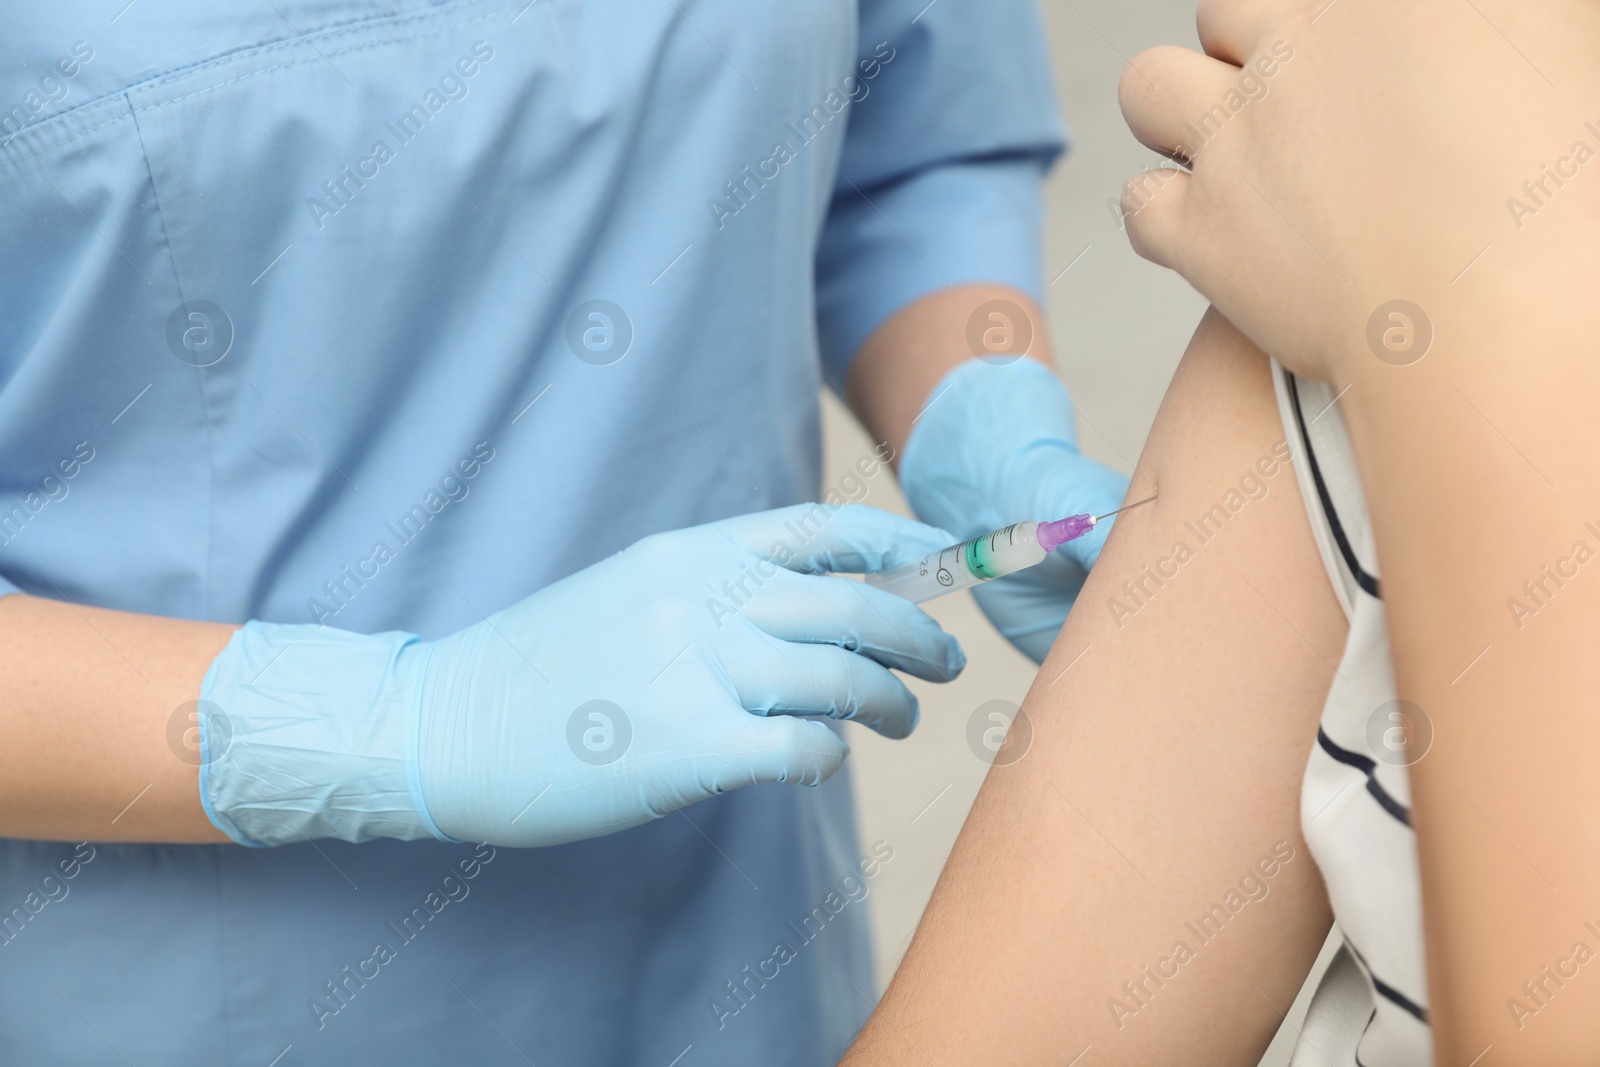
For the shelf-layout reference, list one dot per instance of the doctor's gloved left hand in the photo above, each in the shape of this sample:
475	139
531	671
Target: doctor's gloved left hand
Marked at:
997	443
675	670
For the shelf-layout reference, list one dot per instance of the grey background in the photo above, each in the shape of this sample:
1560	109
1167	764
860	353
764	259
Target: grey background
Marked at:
1119	326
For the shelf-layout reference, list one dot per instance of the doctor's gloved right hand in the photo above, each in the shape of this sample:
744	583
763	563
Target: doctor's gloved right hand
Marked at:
680	668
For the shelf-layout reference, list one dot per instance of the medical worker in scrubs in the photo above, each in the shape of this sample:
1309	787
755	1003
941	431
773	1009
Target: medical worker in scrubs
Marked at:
408	414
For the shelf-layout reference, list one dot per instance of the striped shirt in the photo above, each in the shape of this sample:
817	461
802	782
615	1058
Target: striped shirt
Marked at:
1355	804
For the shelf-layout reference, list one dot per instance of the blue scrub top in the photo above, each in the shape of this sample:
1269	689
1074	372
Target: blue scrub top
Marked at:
385	314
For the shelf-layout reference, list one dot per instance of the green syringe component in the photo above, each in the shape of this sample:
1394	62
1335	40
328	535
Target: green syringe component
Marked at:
987	556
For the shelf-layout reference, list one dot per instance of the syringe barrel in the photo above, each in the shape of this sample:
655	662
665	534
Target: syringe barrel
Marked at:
990	555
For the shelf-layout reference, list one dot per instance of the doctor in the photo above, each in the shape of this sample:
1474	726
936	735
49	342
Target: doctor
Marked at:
406	414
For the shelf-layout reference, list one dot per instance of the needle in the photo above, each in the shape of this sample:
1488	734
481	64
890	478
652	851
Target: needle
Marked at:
1125	507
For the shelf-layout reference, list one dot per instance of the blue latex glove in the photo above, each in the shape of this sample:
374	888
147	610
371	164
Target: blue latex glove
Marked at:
997	444
668	673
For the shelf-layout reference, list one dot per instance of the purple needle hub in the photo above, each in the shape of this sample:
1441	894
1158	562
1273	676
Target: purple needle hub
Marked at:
1052	534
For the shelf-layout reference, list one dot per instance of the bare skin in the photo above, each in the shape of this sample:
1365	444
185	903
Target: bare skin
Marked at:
100	738
1348	187
904	360
1168	749
90	695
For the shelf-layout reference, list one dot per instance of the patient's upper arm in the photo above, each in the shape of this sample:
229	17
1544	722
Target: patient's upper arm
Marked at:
1150	835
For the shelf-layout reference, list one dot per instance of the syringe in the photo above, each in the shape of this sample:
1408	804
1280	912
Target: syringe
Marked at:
992	555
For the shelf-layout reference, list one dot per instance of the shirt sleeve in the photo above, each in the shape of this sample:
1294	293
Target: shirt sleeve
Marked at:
939	177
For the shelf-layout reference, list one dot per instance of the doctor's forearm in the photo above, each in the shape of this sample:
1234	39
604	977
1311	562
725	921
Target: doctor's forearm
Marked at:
98	723
901	363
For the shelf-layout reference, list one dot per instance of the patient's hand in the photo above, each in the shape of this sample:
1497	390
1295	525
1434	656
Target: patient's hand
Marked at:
1350	154
1443	153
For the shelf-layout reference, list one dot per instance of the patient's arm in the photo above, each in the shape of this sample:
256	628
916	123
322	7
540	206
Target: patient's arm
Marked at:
1170	738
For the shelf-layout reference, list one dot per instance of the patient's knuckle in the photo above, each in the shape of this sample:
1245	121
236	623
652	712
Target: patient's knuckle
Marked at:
1131	83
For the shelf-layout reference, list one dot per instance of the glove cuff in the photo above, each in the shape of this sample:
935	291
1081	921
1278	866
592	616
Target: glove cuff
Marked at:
311	732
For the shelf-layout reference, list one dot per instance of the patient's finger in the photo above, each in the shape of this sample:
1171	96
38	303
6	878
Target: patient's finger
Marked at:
1235	30
1165	94
1153	207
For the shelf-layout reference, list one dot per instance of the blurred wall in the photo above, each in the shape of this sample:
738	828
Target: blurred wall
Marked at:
1119	326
